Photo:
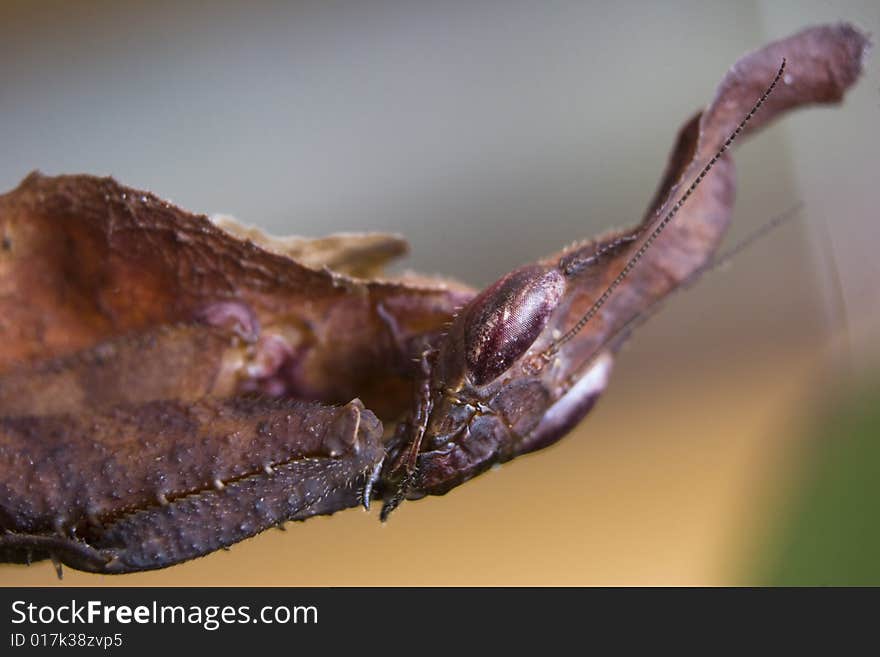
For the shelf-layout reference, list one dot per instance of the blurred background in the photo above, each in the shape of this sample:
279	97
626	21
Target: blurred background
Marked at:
739	441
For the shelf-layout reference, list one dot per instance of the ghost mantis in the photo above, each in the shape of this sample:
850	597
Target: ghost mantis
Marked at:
170	386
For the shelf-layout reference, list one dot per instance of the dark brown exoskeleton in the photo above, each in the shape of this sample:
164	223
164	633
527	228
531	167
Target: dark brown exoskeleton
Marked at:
168	387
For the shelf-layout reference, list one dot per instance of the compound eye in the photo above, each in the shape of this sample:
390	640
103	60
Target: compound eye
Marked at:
505	319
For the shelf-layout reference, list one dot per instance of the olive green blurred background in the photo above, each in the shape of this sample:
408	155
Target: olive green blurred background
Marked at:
738	441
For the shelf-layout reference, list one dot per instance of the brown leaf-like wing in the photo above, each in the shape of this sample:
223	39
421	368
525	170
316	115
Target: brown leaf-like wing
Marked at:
180	362
85	259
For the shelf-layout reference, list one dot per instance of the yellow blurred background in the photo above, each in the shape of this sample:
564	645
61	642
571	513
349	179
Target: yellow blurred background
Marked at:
491	133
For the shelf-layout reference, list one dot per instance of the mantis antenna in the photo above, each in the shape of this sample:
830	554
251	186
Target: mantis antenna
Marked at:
554	347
